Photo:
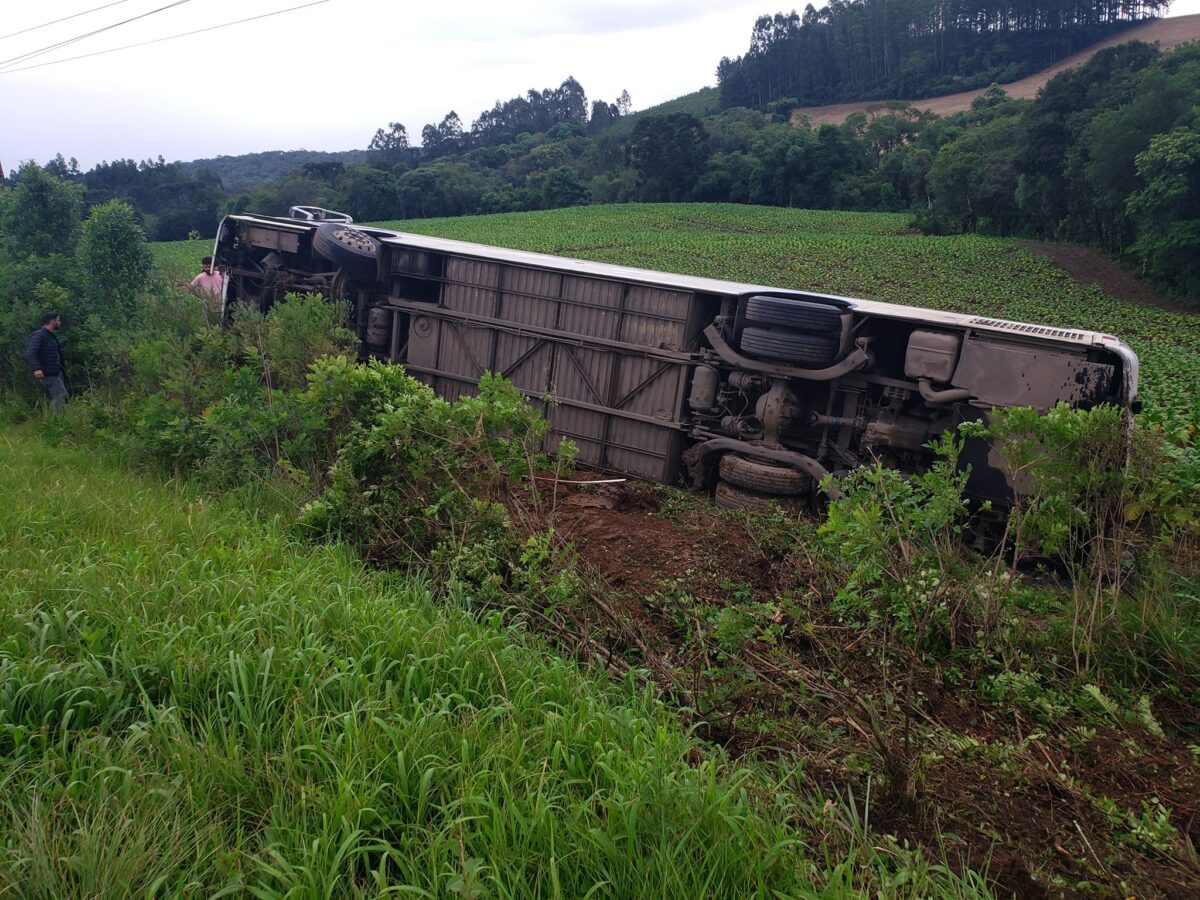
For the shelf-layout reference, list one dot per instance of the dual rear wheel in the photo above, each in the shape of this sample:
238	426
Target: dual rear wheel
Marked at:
756	484
798	331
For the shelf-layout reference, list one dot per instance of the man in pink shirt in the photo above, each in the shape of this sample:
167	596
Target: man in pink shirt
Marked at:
210	286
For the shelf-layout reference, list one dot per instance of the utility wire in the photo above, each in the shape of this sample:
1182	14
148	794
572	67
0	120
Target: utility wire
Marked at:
169	37
33	53
63	19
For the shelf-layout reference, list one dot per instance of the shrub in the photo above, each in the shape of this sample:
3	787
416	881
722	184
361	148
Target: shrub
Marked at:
115	261
286	342
900	536
1106	501
415	475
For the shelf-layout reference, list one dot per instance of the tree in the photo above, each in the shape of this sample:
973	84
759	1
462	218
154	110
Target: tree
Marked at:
783	171
1167	209
328	172
444	138
669	154
729	178
568	103
975	178
114	259
395	138
442	189
561	187
43	216
64	169
603	115
369	194
994	96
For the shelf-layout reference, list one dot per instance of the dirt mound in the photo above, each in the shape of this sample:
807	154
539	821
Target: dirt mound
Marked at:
1167	33
732	617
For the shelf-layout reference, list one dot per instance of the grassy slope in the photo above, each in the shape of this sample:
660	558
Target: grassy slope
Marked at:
190	700
870	255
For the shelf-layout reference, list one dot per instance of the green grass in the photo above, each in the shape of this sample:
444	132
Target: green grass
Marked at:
869	255
192	702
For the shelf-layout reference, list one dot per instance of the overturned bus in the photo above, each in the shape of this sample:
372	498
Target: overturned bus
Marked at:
750	391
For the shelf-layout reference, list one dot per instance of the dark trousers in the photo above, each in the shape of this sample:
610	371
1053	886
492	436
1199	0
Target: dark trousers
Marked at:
56	388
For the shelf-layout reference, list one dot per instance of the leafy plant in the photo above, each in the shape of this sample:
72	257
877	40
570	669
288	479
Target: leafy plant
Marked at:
114	260
409	478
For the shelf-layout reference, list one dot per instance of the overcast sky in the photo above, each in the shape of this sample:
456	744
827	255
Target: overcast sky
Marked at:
326	76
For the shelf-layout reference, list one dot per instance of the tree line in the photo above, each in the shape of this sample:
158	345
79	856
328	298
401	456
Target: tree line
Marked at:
533	113
171	202
869	49
1107	155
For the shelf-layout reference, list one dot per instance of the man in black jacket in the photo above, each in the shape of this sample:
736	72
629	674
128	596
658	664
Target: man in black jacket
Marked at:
45	359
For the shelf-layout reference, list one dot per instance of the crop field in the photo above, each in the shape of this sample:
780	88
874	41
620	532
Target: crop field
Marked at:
180	257
870	255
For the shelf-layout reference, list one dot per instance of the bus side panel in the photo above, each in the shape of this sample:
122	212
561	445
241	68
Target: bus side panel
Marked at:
621	407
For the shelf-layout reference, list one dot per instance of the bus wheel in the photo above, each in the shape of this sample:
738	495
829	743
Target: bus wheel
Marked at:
801	314
729	496
755	475
346	246
817	350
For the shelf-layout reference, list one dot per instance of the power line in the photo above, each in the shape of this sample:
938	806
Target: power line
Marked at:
33	53
169	37
63	19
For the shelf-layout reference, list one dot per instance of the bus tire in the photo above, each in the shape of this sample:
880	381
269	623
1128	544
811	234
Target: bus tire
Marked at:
751	474
730	496
813	350
346	246
815	318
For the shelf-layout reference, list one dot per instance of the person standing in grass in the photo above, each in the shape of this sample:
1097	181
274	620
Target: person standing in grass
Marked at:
210	286
45	358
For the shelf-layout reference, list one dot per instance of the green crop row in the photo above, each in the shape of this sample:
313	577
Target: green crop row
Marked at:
180	258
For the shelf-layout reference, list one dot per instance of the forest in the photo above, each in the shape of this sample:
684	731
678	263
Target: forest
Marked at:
1107	155
873	49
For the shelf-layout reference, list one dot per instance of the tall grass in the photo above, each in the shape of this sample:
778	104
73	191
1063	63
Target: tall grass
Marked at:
191	702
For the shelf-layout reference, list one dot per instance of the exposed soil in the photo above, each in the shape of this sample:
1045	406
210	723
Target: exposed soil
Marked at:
1089	266
1045	809
1167	33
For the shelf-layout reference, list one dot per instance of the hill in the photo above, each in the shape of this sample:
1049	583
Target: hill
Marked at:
1167	33
241	173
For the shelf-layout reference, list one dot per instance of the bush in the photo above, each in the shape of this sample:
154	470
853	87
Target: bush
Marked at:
115	261
291	337
1100	507
229	405
423	472
1106	501
901	538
